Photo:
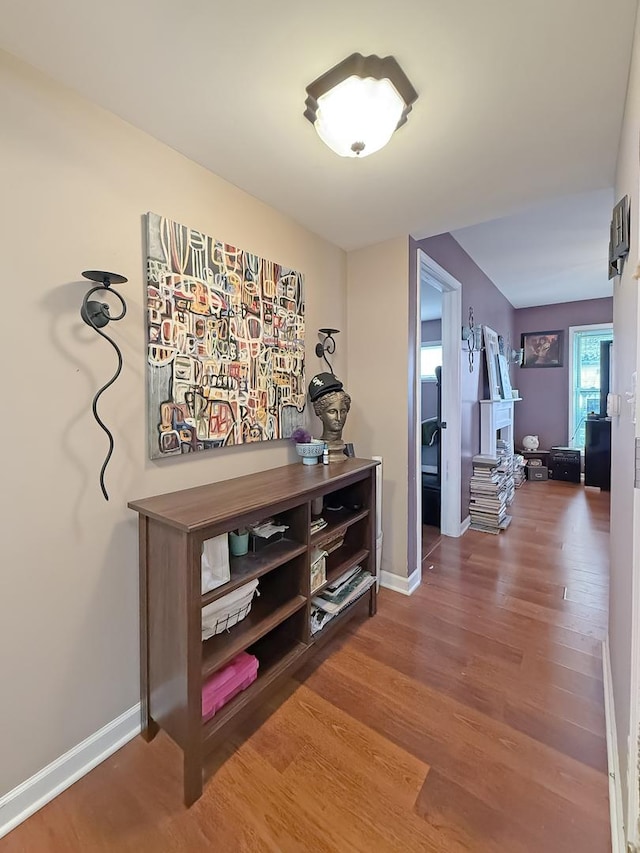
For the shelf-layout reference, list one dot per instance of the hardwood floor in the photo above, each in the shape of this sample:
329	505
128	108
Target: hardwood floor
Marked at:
467	717
430	538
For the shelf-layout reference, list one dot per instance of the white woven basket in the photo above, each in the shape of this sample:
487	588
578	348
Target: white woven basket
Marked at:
228	610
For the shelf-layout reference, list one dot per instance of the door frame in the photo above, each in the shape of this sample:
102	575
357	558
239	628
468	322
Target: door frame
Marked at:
451	441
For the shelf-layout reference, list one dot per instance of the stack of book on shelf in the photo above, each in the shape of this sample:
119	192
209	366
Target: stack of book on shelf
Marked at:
337	595
318	524
489	491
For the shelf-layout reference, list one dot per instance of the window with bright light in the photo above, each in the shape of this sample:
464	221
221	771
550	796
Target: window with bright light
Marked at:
585	379
430	358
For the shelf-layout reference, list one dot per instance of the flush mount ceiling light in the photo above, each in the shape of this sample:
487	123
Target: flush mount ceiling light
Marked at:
357	105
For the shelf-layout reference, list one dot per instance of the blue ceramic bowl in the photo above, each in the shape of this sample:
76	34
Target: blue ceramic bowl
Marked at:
310	451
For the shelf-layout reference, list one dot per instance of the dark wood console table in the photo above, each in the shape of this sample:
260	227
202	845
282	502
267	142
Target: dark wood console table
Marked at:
175	660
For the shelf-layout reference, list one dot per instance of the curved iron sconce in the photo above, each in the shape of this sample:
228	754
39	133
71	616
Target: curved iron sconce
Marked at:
328	345
472	334
97	315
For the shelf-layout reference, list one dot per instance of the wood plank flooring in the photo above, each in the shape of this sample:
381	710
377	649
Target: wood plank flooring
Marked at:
430	538
467	717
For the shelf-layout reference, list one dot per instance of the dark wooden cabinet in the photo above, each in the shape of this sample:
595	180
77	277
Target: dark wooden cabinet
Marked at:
175	661
597	453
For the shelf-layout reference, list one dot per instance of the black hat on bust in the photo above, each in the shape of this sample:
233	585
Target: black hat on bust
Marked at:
322	384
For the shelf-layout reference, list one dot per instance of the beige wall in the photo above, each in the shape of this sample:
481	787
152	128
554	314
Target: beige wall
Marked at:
378	350
623	510
76	182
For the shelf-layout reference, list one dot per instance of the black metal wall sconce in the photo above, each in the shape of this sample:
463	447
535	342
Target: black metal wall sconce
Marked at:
619	237
472	335
97	315
328	345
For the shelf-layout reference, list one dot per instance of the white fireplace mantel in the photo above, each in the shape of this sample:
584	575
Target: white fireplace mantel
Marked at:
496	421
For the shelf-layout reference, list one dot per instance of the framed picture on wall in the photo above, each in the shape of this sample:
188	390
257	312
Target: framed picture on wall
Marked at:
619	237
543	349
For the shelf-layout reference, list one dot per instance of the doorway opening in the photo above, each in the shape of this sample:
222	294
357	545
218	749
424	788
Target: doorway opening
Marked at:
439	440
430	411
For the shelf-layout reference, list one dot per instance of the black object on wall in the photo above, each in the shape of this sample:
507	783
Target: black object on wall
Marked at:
98	315
597	453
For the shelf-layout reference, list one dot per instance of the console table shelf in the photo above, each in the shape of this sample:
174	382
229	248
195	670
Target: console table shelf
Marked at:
267	674
174	659
252	566
265	615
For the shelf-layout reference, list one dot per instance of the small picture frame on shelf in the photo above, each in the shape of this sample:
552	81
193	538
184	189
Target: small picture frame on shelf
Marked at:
349	451
505	381
492	351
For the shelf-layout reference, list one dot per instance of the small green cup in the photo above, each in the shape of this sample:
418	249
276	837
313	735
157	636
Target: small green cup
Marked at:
238	543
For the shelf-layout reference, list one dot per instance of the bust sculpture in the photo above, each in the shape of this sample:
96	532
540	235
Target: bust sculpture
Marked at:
331	403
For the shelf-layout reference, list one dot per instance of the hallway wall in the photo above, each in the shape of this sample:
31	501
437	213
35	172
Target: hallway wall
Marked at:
624	613
378	348
76	182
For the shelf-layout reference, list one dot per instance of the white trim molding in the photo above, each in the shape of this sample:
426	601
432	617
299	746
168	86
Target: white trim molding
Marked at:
616	814
451	438
633	744
464	525
42	787
399	584
591	327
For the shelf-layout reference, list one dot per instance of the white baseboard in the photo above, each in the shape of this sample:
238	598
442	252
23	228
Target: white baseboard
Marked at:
41	788
464	525
399	584
616	814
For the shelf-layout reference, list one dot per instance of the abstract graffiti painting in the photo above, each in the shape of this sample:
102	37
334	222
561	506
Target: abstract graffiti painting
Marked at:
225	340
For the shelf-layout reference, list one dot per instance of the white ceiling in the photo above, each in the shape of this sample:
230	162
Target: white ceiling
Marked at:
552	252
519	102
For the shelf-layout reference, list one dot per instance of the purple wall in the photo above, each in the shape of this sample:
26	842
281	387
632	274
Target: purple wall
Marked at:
431	331
544	410
490	308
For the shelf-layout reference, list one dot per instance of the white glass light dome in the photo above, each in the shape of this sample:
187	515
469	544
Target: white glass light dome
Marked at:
358	104
358	117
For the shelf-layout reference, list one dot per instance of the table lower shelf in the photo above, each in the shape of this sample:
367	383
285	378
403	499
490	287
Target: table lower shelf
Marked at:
338	621
267	675
265	615
276	662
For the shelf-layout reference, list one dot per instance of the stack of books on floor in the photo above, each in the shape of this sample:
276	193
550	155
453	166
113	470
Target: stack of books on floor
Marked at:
519	465
491	485
337	595
505	465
